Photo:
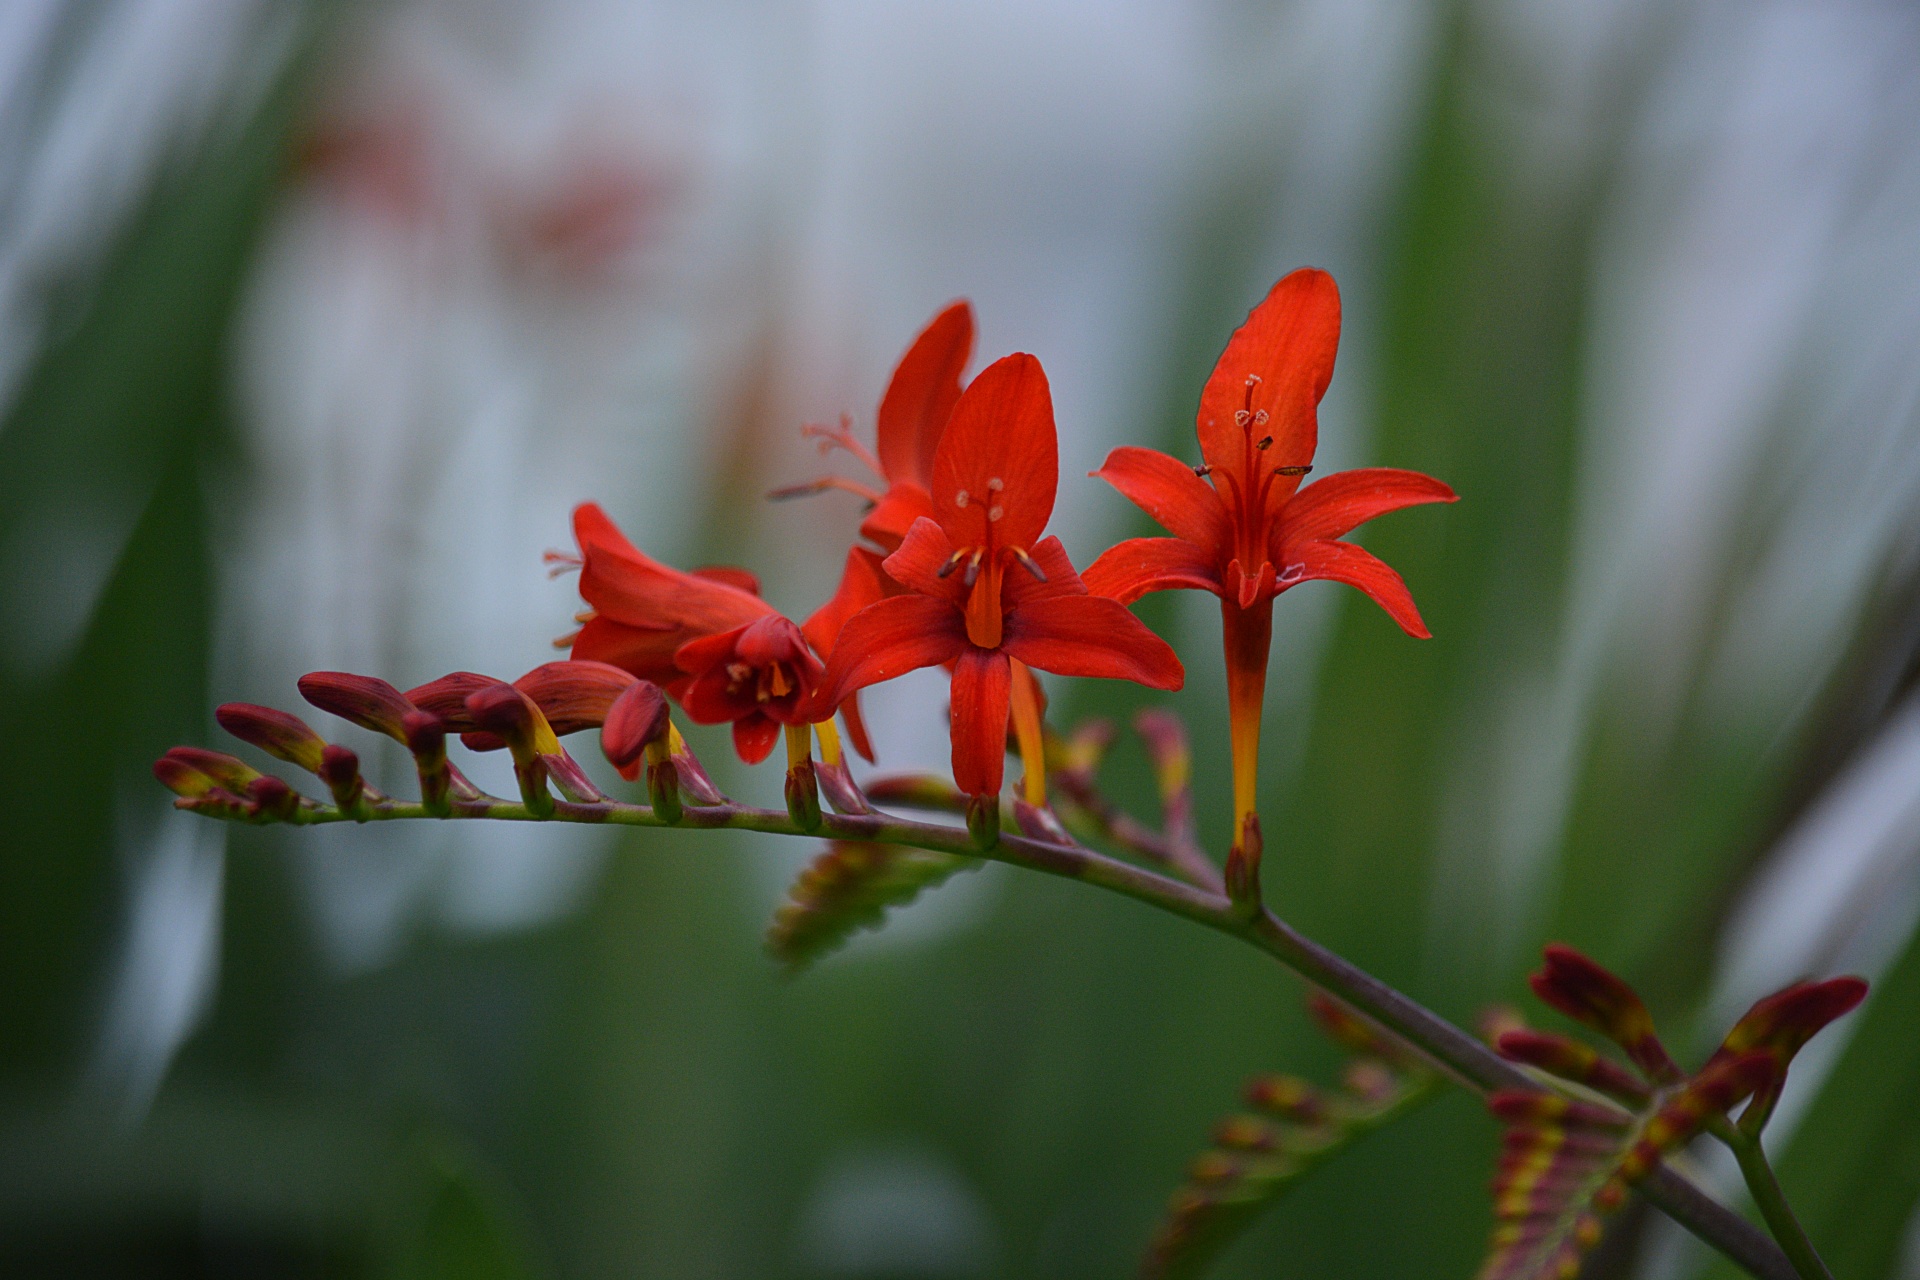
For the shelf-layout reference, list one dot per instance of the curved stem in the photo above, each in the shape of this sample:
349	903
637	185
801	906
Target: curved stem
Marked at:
1455	1051
1771	1200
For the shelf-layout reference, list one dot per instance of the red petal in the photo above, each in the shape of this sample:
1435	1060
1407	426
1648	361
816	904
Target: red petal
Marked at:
754	736
1288	342
447	697
889	639
902	504
1131	569
862	582
1000	451
982	690
1166	489
732	576
1019	585
574	695
921	396
1344	562
627	587
917	564
1334	507
707	699
698	656
645	652
1091	636
856	727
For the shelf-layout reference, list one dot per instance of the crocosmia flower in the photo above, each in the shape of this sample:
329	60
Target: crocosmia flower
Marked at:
706	637
757	677
1242	527
987	592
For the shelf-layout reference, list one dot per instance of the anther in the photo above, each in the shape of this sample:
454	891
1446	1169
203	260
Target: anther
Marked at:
1241	417
1293	471
1259	417
953	562
1263	442
1031	567
1203	471
973	567
994	513
996	484
961	498
1253	380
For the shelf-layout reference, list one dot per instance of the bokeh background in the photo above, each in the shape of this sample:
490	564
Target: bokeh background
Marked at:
316	319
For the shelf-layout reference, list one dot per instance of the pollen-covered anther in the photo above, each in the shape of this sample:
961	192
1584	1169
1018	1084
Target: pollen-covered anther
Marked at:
1031	565
962	498
994	513
1293	471
996	484
1263	443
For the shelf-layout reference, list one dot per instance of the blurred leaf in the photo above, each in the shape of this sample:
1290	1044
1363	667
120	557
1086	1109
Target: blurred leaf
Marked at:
849	887
461	1226
1852	1170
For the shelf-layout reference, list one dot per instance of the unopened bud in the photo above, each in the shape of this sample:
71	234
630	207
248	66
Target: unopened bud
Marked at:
447	698
1580	988
283	736
230	772
340	770
500	708
983	821
427	740
636	719
575	695
693	777
181	778
367	701
273	799
841	791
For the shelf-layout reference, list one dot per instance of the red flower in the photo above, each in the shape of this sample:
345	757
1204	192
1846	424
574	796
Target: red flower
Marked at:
705	637
1248	536
759	677
987	591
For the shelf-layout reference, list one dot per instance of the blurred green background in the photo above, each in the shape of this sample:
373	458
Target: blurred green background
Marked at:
318	319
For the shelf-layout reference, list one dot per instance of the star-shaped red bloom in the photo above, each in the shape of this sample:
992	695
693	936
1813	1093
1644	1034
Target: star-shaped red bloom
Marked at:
987	590
1253	532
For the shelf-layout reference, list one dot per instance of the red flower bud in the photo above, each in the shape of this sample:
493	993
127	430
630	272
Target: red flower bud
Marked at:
367	701
229	772
181	778
447	698
340	770
273	798
1587	993
636	718
283	736
1569	1059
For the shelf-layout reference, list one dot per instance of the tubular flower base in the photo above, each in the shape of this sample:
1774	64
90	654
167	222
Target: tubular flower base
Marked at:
957	570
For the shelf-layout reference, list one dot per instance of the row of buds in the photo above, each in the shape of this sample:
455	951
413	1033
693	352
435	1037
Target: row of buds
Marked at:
526	718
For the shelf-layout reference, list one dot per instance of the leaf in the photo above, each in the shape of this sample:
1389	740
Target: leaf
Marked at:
460	1223
851	887
1256	1158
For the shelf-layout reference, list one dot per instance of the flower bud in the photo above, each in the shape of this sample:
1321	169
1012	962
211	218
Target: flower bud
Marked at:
1040	822
367	701
663	785
636	720
693	778
273	799
1587	993
927	791
1569	1059
576	695
283	736
340	770
427	740
228	772
447	698
502	709
181	778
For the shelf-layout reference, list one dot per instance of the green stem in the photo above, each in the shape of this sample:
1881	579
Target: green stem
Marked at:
1772	1200
1458	1053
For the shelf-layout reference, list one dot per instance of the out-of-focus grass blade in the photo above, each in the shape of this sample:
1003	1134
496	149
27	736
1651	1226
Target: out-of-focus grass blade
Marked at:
100	455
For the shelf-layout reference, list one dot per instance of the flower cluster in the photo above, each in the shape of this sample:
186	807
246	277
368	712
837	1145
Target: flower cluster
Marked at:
956	569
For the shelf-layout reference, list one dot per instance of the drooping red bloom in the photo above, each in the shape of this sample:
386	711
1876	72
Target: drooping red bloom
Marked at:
1252	532
987	590
706	637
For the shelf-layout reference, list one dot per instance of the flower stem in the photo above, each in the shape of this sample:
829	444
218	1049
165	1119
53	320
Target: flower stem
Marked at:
1458	1053
1771	1200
